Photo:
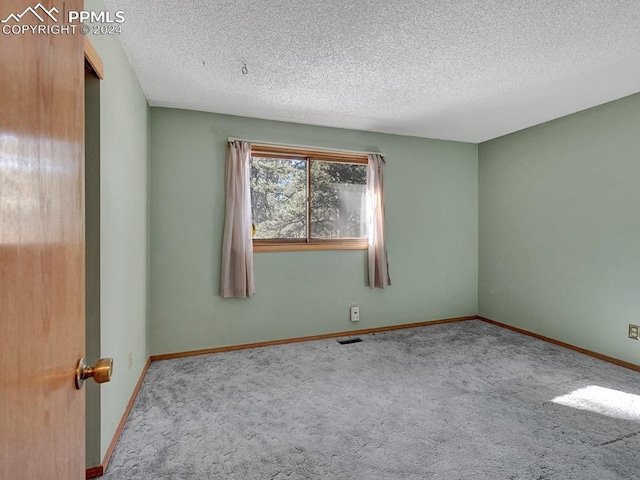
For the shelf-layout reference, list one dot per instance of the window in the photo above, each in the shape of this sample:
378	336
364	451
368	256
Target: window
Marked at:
307	200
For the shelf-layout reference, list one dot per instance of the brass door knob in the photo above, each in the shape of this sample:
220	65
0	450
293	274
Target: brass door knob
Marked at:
100	372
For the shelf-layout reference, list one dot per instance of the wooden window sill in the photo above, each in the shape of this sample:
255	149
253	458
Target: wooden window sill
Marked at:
296	247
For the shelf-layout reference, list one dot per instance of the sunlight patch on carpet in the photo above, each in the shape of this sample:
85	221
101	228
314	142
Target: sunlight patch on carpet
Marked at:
605	401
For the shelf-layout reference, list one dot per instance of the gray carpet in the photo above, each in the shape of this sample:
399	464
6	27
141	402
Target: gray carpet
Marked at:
455	401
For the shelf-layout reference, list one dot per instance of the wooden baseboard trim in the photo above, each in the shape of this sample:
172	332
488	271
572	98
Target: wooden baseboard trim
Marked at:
95	472
575	348
98	470
125	415
364	331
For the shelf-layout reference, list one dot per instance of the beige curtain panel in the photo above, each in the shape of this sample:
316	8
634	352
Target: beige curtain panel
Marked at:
237	248
378	264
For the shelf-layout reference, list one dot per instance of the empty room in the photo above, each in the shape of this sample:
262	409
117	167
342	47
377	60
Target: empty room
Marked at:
320	240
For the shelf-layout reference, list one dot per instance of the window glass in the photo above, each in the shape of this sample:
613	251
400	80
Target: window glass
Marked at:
307	199
279	198
338	200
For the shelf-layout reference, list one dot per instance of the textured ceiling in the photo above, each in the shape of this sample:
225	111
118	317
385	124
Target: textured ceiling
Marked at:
467	70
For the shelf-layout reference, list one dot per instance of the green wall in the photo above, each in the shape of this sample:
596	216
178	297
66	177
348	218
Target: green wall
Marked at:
431	195
92	261
124	115
559	229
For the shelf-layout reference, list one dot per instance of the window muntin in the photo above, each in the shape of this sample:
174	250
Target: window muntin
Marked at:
305	200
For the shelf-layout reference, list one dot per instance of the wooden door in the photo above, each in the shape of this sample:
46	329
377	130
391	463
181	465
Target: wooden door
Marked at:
41	247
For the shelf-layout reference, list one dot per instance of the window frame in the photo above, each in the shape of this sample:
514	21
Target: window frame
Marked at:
308	243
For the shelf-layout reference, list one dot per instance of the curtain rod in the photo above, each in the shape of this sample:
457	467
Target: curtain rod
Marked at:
291	145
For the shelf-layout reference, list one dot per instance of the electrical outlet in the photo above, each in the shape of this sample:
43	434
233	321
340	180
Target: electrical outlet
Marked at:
355	312
633	331
130	360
